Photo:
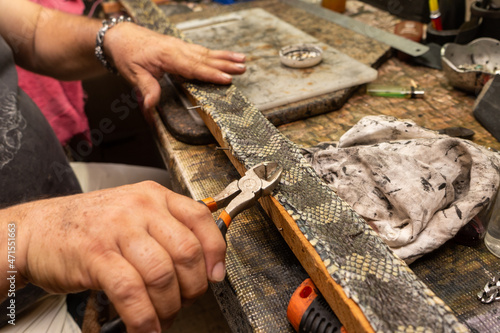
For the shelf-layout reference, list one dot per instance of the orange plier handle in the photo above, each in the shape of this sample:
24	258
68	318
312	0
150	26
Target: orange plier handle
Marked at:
224	219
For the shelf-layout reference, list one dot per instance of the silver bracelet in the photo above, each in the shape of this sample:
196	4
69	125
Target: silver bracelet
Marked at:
99	41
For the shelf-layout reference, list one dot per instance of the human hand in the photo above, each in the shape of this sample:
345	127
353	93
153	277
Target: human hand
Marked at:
142	56
151	250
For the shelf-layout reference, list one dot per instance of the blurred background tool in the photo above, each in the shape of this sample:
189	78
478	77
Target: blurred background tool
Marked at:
435	15
394	91
399	43
309	312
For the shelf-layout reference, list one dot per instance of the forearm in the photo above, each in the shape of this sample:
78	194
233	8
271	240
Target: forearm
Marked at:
50	42
62	45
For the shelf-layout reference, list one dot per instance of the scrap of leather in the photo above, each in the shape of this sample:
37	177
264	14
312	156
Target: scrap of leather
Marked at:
415	187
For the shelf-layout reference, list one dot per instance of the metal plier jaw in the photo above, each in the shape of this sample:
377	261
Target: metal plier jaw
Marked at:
259	181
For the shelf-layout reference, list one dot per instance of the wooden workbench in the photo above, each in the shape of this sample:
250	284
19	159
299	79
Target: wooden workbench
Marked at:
254	296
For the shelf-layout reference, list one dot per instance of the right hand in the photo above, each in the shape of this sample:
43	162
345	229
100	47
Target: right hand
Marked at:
151	250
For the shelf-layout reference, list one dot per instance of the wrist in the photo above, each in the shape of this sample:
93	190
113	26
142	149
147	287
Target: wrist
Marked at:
100	50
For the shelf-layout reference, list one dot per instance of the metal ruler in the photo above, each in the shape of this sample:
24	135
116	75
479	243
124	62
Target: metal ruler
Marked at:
400	43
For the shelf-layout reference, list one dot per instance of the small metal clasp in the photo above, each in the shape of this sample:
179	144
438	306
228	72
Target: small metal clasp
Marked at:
491	291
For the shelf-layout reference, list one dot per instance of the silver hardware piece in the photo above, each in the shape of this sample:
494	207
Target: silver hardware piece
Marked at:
491	291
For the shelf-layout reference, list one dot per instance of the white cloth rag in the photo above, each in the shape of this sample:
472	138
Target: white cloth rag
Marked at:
415	187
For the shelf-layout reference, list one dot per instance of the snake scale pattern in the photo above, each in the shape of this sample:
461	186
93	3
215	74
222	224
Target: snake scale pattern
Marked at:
389	294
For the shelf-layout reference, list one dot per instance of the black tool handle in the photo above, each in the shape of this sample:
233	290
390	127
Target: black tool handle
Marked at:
222	227
308	311
319	318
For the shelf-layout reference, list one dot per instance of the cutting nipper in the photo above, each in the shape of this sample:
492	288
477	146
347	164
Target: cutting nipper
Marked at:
258	181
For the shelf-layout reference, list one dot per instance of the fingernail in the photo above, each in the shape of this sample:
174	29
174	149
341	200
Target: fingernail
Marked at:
242	66
219	272
226	76
240	56
147	103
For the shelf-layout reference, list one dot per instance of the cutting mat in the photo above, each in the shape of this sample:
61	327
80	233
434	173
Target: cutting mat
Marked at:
267	83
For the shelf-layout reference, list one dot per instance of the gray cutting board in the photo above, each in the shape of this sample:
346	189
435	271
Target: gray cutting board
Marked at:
267	83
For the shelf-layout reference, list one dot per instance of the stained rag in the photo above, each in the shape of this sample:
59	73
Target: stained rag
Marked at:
415	187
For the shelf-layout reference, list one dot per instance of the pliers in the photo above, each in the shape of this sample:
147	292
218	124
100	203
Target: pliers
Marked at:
242	194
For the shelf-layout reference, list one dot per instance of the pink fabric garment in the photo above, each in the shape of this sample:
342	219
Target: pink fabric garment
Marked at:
62	103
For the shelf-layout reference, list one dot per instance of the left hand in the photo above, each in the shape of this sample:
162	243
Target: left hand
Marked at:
142	56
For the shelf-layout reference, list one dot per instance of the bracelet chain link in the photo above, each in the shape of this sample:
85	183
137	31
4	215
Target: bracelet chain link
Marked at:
99	41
